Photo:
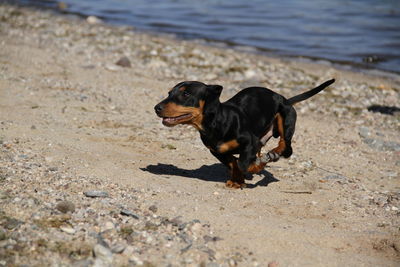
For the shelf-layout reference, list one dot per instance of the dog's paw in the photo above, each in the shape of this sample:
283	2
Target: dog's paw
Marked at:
263	159
273	156
235	185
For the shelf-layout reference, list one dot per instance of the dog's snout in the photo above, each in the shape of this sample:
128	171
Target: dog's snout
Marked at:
158	108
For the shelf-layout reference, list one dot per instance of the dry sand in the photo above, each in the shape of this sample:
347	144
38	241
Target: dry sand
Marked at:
71	120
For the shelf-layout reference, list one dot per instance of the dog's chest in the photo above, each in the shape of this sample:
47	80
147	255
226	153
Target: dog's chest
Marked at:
220	145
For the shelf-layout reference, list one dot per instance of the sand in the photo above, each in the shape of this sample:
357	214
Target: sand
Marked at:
71	120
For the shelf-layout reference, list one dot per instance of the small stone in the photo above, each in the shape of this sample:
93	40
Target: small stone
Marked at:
12	223
364	132
93	20
52	169
177	221
129	213
33	127
273	264
334	177
108	226
95	193
124	62
68	230
208	238
65	206
118	248
112	67
149	226
3	235
196	228
135	260
104	256
128	251
249	74
153	208
4	195
82	263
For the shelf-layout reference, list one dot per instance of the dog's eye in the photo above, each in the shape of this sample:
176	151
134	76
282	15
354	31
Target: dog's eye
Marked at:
186	94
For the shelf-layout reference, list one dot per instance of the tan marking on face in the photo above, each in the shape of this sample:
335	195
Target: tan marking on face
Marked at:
182	88
227	146
174	110
198	118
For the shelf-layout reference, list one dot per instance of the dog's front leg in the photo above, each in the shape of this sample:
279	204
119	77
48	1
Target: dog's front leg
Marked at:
248	160
236	175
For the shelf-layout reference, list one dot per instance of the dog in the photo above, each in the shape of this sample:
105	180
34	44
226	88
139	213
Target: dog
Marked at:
240	126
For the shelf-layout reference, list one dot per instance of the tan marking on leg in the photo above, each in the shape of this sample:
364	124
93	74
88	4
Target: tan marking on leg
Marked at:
227	146
237	177
256	168
282	144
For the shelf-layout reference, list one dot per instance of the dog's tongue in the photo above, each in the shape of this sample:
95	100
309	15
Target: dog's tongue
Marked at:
168	120
174	119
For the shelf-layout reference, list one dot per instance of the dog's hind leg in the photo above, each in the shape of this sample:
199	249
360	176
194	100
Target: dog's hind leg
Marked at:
284	125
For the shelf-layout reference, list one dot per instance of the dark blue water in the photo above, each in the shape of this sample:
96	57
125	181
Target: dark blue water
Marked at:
364	33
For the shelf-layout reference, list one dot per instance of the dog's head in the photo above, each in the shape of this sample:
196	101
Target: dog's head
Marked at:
186	103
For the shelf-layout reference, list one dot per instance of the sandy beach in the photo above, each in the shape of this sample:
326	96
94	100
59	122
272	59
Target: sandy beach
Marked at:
89	176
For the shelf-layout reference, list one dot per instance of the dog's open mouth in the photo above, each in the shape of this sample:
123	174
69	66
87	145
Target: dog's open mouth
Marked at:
170	121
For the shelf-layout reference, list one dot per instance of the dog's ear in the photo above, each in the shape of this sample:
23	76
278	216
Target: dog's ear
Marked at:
214	90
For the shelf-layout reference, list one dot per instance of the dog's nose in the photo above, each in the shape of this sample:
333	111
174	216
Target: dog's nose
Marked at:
158	108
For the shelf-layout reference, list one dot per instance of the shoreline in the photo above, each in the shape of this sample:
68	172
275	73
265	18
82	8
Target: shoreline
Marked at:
61	9
90	177
294	60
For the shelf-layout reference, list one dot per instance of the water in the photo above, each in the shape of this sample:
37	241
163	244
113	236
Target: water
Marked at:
363	33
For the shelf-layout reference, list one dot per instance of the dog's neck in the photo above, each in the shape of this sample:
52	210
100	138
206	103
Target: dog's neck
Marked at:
210	112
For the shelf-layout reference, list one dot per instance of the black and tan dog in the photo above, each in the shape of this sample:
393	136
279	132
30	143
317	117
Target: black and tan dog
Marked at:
241	125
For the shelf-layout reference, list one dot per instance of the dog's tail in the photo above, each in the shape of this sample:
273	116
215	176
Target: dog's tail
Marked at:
308	94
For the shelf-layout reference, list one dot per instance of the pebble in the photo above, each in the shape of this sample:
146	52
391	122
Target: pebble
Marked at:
379	144
93	20
124	62
376	143
196	228
118	248
65	206
273	264
4	195
3	235
12	223
108	226
334	177
364	132
104	256
112	67
68	230
153	208
129	213
95	193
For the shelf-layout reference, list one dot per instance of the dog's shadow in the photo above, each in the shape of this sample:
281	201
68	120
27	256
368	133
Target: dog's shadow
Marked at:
211	173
